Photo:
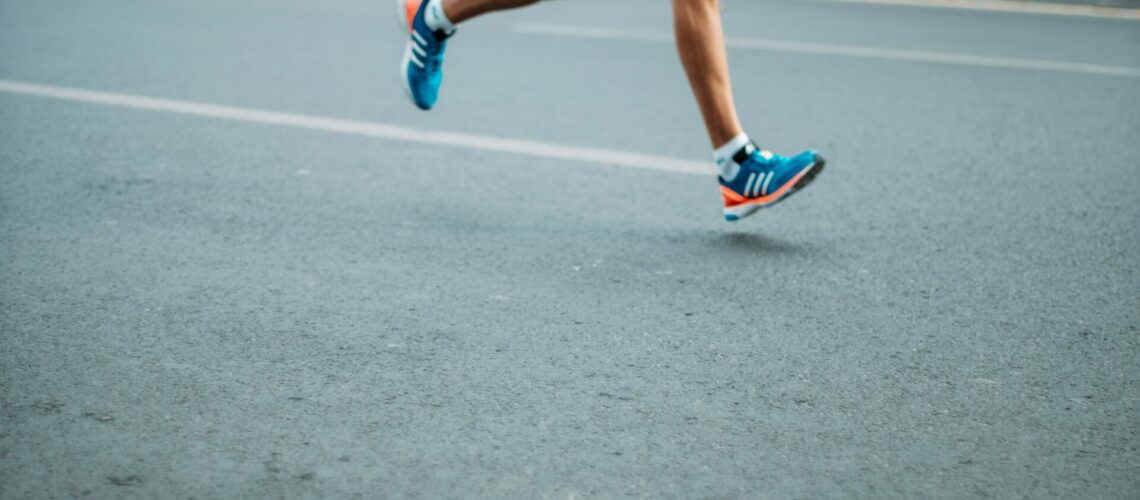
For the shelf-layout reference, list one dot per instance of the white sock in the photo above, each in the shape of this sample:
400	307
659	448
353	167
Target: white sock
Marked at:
723	156
436	19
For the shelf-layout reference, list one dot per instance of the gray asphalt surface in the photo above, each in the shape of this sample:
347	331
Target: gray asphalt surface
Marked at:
193	307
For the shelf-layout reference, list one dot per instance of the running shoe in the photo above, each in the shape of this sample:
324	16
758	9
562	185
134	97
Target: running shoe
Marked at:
421	70
765	179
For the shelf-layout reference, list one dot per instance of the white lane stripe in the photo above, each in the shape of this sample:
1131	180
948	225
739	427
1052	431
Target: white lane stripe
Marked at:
369	129
1020	7
838	50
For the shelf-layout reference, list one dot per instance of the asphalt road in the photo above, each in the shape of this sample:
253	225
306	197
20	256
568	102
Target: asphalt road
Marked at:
207	308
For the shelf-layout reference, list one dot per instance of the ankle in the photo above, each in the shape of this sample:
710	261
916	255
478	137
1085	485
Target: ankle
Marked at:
436	18
723	156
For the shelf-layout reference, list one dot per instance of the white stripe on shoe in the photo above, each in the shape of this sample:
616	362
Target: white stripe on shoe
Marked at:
412	56
748	186
419	39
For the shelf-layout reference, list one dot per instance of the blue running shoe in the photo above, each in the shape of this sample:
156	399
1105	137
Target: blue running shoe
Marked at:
765	179
421	70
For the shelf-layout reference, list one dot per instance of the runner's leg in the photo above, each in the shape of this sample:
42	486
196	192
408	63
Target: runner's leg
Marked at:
700	41
459	11
750	178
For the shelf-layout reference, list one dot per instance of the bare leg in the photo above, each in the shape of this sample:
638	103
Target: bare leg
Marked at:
461	10
700	41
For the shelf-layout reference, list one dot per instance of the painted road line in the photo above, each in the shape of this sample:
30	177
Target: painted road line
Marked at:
368	129
837	50
1057	9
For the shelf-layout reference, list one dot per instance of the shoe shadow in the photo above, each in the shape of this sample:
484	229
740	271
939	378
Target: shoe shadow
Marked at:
756	244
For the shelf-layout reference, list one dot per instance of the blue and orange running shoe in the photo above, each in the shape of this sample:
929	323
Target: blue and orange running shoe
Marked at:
765	179
422	68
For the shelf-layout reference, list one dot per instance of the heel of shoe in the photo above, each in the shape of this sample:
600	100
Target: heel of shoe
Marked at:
406	13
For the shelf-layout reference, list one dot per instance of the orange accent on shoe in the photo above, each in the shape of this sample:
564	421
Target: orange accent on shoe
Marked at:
732	198
411	7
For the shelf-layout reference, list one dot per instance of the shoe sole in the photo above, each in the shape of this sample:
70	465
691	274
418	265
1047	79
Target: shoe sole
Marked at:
402	21
805	177
404	73
405	25
402	16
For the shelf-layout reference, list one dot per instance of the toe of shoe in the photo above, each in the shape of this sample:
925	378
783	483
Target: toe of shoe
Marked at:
424	100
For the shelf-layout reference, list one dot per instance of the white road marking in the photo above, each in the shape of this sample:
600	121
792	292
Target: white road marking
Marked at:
1020	7
369	129
837	50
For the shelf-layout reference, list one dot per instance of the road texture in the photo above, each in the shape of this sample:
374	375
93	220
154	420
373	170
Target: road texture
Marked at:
195	307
